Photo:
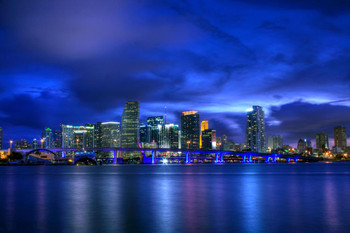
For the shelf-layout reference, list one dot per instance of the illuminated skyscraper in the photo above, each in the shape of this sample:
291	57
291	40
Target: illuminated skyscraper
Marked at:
47	137
57	139
145	133
204	126
169	136
98	134
84	136
340	139
209	139
190	130
110	134
153	123
255	134
322	141
130	125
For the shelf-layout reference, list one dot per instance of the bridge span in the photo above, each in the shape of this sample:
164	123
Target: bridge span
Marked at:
160	155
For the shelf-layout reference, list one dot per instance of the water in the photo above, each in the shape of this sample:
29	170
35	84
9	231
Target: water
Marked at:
176	198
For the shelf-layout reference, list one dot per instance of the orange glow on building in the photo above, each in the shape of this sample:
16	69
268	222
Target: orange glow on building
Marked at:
189	112
204	126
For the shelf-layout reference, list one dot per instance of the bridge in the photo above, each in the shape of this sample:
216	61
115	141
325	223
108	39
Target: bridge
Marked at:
160	155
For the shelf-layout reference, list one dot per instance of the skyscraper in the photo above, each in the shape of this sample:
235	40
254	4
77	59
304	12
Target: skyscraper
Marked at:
110	134
275	142
130	125
322	141
204	126
98	134
209	139
190	130
153	123
255	134
84	136
57	138
47	137
169	136
1	138
340	139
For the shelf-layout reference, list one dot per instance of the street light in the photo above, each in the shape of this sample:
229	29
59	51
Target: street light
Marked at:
42	143
188	144
11	144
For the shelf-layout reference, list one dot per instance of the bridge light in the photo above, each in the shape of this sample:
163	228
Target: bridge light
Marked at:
165	161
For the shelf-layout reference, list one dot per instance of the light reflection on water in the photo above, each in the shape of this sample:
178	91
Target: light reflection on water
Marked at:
229	198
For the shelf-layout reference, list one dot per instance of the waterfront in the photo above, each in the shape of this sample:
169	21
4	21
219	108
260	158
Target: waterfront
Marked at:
307	197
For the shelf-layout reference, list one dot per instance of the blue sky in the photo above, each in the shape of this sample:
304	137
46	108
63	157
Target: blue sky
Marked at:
78	62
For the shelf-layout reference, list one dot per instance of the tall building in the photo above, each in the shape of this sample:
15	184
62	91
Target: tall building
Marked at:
153	123
204	126
22	144
190	130
110	136
209	139
169	136
57	139
84	136
145	133
275	142
47	137
1	138
35	144
322	141
130	125
340	139
98	134
255	134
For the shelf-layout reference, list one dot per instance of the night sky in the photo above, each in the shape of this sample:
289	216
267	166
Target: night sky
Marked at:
78	62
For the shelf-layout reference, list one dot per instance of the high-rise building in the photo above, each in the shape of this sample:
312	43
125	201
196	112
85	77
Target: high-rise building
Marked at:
204	126
47	137
190	130
35	144
130	125
110	134
57	138
1	138
153	123
340	139
303	145
145	133
84	136
22	144
98	134
169	136
209	139
275	142
255	134
322	141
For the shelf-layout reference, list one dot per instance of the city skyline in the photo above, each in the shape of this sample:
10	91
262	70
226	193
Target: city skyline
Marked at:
160	131
219	58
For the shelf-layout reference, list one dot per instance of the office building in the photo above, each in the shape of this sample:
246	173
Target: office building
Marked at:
255	133
190	130
322	141
168	136
110	136
340	138
204	126
47	138
130	125
153	123
275	142
209	139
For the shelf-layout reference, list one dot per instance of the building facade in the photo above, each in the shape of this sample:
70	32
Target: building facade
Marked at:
190	130
169	136
275	142
340	138
47	137
110	136
322	142
204	126
255	133
130	125
209	139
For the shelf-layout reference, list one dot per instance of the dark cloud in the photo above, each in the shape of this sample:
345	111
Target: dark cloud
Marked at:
305	120
79	61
